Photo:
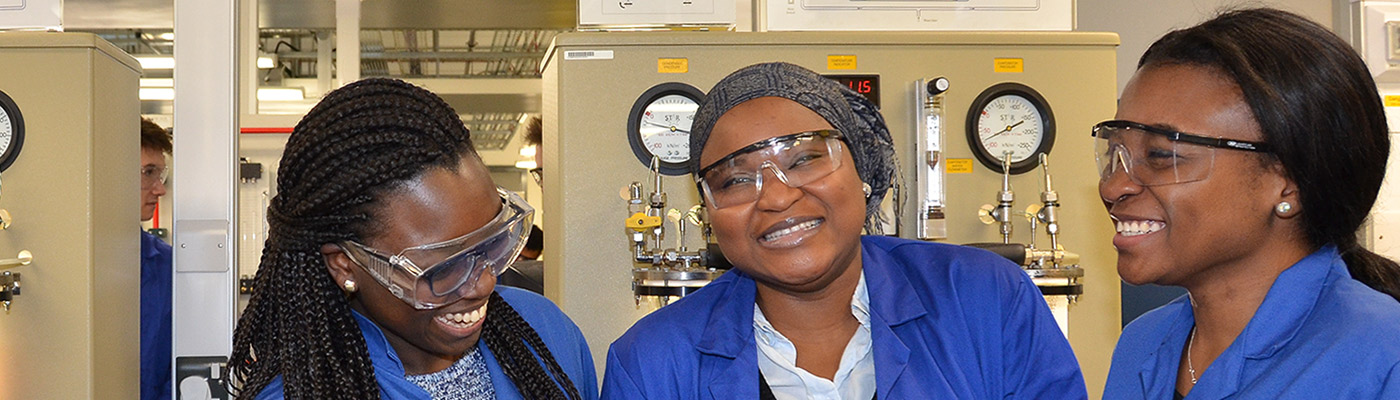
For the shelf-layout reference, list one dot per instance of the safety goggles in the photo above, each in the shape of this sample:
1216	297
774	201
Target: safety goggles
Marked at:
453	266
796	160
151	174
1154	156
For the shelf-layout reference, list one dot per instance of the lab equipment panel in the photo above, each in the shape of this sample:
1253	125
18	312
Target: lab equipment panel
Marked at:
593	80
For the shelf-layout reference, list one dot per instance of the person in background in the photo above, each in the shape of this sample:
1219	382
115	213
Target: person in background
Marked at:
1245	154
791	167
534	136
527	272
156	272
534	246
379	274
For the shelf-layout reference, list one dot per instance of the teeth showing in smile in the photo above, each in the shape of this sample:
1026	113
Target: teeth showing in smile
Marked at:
792	229
1135	228
463	319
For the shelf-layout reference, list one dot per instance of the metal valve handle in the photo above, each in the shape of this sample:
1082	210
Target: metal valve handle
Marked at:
24	258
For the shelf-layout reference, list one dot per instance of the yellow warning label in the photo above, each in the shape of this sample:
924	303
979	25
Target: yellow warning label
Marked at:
1392	100
1014	65
841	62
672	65
959	165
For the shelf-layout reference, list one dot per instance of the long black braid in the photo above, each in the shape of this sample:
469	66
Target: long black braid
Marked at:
358	143
512	345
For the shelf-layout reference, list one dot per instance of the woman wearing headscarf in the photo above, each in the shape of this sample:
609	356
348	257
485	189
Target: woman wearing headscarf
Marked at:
792	167
1244	156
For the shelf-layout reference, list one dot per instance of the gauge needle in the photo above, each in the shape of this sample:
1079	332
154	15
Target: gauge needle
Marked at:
672	128
1008	129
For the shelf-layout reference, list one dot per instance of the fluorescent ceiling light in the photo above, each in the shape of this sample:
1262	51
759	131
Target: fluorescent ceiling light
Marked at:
156	62
525	164
167	36
157	82
157	93
266	62
527	151
281	94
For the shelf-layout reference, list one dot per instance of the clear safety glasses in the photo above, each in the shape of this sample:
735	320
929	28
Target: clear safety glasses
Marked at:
1154	156
796	160
453	266
151	174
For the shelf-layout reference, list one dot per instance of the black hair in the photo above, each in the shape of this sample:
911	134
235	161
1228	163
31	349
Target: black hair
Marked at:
153	137
536	240
342	158
534	131
1320	114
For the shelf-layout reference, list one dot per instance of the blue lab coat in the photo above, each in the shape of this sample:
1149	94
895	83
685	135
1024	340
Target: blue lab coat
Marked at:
156	287
946	321
563	338
1319	334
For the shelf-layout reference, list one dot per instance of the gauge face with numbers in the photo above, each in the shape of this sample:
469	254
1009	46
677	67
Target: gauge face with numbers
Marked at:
659	126
1010	120
7	131
11	131
665	127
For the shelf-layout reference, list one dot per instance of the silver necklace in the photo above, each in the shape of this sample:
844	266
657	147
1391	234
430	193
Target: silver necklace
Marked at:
1189	366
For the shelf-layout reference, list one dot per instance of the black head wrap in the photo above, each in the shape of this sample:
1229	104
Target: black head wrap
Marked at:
847	111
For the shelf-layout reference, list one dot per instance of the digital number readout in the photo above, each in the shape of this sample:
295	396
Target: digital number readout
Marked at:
866	85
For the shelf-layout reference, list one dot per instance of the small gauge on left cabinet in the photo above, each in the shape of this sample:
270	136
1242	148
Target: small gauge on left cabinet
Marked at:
11	131
660	125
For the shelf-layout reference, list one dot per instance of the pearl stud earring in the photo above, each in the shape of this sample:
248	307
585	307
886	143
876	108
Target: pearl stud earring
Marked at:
350	286
1283	207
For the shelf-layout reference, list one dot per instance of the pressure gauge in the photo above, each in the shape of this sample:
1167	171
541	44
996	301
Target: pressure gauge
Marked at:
1010	119
11	131
660	125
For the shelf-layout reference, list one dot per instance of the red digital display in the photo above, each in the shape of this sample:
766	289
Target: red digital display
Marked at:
866	85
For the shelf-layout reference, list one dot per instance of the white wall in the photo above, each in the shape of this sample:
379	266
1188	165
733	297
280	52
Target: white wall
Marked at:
1140	22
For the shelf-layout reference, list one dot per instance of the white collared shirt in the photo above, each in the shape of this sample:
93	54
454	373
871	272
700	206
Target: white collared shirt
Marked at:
855	377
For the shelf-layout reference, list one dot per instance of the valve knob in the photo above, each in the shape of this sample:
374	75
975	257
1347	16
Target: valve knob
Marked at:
984	214
1033	212
937	86
641	222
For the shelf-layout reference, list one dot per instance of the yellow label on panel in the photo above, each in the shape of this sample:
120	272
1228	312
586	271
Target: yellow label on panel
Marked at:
1392	100
841	62
672	65
959	165
1016	65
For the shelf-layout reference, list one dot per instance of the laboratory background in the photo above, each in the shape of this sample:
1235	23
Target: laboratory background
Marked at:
615	84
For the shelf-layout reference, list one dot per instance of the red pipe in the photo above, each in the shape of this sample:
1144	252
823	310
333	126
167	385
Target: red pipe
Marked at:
264	130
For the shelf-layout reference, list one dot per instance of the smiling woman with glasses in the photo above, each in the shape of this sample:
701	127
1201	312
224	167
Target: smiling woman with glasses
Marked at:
1255	212
379	275
792	168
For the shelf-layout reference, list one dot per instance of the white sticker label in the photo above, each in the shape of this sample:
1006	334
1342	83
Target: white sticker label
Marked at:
588	55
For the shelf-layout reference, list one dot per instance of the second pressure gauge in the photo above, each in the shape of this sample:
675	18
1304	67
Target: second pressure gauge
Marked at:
11	131
660	125
1010	119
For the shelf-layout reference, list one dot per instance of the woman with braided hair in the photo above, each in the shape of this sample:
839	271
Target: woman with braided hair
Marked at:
378	278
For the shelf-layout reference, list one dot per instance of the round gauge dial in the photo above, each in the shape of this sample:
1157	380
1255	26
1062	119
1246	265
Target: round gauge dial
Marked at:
11	131
1010	120
659	125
